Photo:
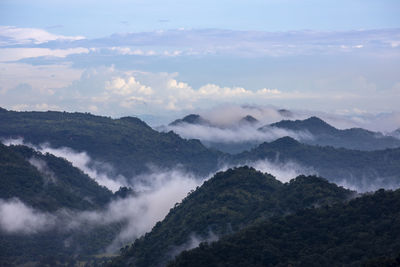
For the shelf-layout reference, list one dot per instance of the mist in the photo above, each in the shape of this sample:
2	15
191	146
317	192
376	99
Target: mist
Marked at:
80	160
194	241
16	217
155	193
238	134
282	171
42	167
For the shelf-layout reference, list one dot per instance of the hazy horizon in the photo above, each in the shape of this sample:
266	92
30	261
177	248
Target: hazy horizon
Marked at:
160	61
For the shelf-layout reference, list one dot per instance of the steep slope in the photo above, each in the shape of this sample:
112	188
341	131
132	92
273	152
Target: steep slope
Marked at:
327	135
341	235
365	170
128	144
44	192
224	204
53	184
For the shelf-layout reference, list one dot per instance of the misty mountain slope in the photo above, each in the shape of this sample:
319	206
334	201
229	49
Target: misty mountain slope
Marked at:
195	126
245	134
364	170
224	204
41	196
128	144
47	182
327	135
346	234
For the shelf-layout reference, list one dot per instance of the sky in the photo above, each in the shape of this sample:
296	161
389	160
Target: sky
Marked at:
161	59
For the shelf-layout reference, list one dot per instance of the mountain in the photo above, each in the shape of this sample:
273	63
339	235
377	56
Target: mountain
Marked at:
231	146
396	133
190	119
345	234
47	182
364	170
128	144
327	135
248	120
225	204
285	113
42	188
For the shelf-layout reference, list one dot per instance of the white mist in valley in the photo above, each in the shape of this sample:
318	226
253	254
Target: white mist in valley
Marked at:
156	192
16	217
237	134
80	160
282	171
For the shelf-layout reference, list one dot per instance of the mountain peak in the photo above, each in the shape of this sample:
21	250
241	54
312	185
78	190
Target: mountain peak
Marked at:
190	119
313	124
286	141
248	120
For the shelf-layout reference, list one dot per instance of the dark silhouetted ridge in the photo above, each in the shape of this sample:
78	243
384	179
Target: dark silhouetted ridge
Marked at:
313	124
190	119
248	120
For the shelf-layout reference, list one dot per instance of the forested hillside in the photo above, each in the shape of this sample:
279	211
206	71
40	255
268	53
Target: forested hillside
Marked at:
225	204
57	184
128	144
364	170
46	191
364	231
326	135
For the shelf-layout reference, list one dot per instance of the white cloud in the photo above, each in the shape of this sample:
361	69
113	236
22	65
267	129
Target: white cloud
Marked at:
128	86
14	54
10	35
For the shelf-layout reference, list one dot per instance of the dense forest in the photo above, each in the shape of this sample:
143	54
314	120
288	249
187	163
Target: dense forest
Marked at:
55	188
306	221
364	231
57	185
365	170
226	203
128	144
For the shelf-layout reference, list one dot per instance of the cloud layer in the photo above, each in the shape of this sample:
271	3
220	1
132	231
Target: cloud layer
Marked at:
173	71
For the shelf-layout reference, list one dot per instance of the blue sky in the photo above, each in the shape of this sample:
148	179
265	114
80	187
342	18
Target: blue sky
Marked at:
168	58
99	18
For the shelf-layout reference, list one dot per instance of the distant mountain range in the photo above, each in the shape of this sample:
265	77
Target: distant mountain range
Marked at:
327	135
365	170
129	145
317	131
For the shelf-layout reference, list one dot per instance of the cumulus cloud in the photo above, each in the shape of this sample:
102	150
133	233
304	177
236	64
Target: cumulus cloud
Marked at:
128	86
